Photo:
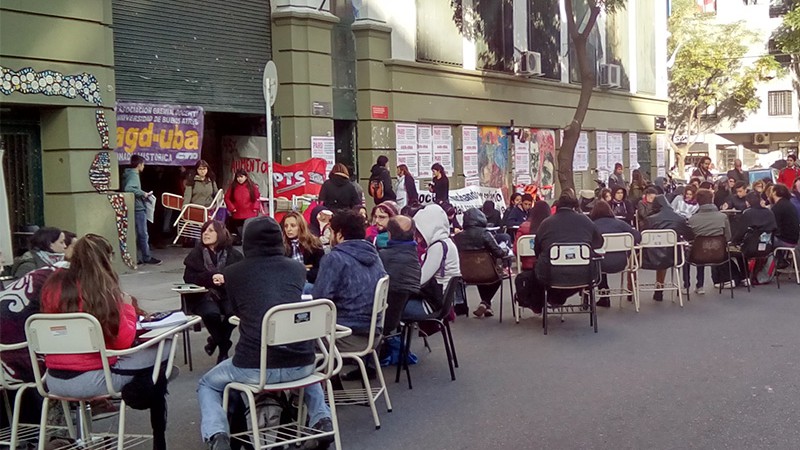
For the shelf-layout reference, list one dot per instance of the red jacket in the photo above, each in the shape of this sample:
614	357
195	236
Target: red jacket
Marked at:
788	175
84	362
239	204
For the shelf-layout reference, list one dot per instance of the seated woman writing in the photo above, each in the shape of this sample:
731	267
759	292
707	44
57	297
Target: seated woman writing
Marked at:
90	285
204	266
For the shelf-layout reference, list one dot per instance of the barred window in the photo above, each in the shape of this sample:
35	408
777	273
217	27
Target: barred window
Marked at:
780	103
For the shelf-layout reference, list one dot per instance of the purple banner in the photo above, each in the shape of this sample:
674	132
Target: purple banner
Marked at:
164	135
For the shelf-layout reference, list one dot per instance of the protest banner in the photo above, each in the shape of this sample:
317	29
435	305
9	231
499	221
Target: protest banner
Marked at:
469	197
165	135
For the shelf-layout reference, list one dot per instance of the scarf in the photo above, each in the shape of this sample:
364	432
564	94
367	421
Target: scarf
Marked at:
222	258
50	259
297	252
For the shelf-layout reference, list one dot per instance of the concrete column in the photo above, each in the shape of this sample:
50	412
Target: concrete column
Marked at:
301	40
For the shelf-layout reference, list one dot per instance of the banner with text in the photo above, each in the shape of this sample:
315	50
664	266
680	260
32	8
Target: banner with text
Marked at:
469	197
164	135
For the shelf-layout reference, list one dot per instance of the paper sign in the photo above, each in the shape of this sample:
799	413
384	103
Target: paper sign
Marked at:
633	153
615	150
580	161
406	141
324	147
443	147
424	150
601	140
469	152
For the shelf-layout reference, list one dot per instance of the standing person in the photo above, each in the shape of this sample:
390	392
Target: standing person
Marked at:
131	182
303	246
439	185
204	266
703	170
90	285
201	186
264	279
337	191
406	188
476	237
707	221
616	179
789	173
47	247
737	173
686	204
380	181
242	201
377	233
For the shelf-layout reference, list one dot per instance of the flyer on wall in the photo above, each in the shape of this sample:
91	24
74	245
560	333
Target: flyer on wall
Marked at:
601	155
580	161
469	152
324	147
616	150
406	145
633	153
522	157
443	147
424	150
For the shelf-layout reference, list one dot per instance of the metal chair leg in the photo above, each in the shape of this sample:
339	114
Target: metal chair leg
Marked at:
450	339
449	353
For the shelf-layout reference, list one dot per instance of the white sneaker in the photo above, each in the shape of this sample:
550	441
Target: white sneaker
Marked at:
746	282
700	291
685	291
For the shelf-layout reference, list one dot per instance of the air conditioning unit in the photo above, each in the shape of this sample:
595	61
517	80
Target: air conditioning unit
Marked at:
610	76
530	64
761	139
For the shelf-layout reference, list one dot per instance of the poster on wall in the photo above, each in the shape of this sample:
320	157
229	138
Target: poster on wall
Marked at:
324	147
469	151
545	143
443	147
601	155
661	150
406	145
493	157
633	153
616	150
580	161
424	150
164	135
522	157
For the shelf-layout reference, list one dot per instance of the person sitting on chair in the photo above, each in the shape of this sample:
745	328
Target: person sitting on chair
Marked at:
263	279
204	267
707	221
401	263
606	222
476	237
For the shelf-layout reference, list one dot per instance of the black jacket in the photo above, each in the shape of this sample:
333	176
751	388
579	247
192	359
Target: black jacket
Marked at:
615	262
265	278
739	176
756	219
734	202
195	271
338	193
787	220
664	218
515	216
493	217
475	236
401	262
564	227
312	259
382	173
623	208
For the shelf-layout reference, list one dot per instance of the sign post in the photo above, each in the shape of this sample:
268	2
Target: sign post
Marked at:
270	86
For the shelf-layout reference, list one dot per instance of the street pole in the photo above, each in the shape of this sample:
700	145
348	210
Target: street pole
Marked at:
271	185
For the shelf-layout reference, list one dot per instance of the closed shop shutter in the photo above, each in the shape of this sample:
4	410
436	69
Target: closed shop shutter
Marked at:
192	52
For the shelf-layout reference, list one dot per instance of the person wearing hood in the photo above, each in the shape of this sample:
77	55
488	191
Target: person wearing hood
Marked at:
337	191
621	206
131	182
476	237
380	181
348	276
661	259
606	222
264	279
492	214
686	204
439	261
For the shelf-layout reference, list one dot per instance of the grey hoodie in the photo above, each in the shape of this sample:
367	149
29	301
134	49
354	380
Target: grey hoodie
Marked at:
132	183
433	226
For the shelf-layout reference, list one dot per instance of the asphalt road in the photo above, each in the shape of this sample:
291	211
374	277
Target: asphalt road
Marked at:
718	373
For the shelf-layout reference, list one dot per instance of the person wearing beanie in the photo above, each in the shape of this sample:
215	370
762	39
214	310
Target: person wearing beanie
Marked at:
265	278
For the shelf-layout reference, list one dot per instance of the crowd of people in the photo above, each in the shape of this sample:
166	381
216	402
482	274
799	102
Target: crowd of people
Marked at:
341	252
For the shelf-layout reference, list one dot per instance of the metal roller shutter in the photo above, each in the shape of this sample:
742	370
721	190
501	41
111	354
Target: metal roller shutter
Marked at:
192	52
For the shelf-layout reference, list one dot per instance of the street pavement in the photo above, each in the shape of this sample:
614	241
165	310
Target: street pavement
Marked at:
718	373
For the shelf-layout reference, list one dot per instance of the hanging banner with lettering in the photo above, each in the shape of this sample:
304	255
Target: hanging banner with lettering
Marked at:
425	150
164	135
443	147
469	197
469	151
406	145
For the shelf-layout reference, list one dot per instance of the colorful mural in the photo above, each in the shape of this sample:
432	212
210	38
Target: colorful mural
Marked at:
493	157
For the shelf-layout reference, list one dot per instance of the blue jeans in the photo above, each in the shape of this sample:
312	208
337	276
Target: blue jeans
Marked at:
215	420
142	239
701	276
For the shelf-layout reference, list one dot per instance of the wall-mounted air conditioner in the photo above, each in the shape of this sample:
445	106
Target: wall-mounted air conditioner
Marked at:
761	139
610	76
530	64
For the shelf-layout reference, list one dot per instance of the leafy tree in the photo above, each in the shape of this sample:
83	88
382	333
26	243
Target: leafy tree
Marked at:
710	82
787	40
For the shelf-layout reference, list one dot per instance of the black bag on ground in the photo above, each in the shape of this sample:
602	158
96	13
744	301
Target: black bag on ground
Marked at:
527	289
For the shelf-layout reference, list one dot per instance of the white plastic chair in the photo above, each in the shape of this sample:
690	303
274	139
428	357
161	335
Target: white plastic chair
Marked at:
192	217
368	393
524	250
623	242
17	432
568	255
792	254
653	239
313	320
74	333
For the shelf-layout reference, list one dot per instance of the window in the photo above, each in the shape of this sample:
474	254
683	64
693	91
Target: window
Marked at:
494	35
780	103
438	37
544	35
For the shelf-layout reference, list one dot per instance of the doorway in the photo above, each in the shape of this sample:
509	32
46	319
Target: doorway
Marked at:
345	137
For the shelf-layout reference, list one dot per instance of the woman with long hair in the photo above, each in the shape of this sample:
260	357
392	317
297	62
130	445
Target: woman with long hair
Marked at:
686	204
439	185
337	191
605	220
536	215
302	246
638	185
242	201
201	187
47	248
204	267
377	232
90	285
406	189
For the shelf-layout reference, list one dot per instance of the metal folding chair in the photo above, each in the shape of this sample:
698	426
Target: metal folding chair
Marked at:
524	250
192	217
663	239
564	258
617	243
16	432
